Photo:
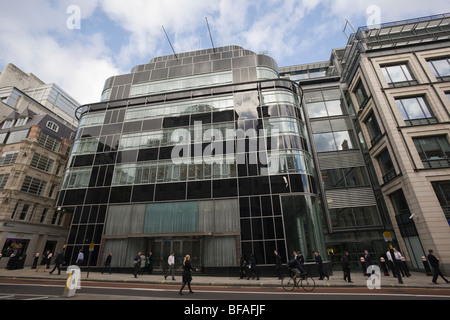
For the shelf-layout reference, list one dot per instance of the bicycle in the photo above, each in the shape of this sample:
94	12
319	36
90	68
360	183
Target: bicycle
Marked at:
304	280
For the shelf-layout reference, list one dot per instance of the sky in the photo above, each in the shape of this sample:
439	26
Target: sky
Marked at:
78	44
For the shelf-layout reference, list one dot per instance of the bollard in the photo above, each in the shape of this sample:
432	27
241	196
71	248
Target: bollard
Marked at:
405	267
383	264
363	265
427	266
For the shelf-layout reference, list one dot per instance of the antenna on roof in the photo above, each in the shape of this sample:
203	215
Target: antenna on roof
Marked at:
214	49
345	27
170	43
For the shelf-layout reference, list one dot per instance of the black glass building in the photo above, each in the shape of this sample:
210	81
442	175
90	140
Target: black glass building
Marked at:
203	153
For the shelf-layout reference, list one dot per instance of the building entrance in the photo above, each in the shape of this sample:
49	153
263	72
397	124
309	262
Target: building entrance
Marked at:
162	248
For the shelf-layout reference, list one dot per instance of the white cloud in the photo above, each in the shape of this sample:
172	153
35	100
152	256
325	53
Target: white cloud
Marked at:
290	31
38	41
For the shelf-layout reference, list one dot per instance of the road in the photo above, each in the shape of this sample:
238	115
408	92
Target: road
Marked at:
35	289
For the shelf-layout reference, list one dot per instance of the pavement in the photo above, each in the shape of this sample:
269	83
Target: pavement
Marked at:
416	280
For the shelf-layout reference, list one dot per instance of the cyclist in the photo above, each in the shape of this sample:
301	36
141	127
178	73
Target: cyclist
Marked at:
296	268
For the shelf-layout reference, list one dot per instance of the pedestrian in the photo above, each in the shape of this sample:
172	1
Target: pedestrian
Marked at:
434	262
367	259
137	264
44	260
319	264
49	259
107	264
80	258
171	263
391	264
58	262
150	262
300	258
252	268
187	277
242	267
399	259
346	267
143	261
278	264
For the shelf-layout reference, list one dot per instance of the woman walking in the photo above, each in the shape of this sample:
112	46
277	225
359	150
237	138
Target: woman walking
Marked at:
187	278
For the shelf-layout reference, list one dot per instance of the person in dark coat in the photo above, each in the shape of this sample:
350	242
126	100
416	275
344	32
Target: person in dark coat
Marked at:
434	262
367	259
150	262
319	264
107	264
137	264
58	262
45	260
346	267
300	258
253	269
187	277
242	267
278	264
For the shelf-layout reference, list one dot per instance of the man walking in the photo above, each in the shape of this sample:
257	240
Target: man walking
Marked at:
80	258
137	264
171	263
58	262
319	264
278	264
346	267
435	265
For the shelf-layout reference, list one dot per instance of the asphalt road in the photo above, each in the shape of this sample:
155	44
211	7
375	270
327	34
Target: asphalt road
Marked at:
24	289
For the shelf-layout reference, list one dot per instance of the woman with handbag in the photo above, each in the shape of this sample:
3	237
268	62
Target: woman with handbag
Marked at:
187	277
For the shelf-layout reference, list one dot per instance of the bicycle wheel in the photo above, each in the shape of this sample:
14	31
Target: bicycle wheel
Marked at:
308	283
288	283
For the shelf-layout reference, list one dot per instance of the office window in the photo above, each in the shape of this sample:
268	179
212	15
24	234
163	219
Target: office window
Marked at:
23	214
442	190
21	121
332	135
434	151
386	166
8	157
398	75
17	136
415	111
76	178
361	95
332	141
344	178
3	179
326	103
52	126
440	68
34	186
373	128
8	124
49	142
42	162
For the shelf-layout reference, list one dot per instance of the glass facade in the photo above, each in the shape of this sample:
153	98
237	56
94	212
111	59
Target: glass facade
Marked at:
214	169
353	217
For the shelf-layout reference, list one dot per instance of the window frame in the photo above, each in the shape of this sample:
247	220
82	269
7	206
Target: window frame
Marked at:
409	78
